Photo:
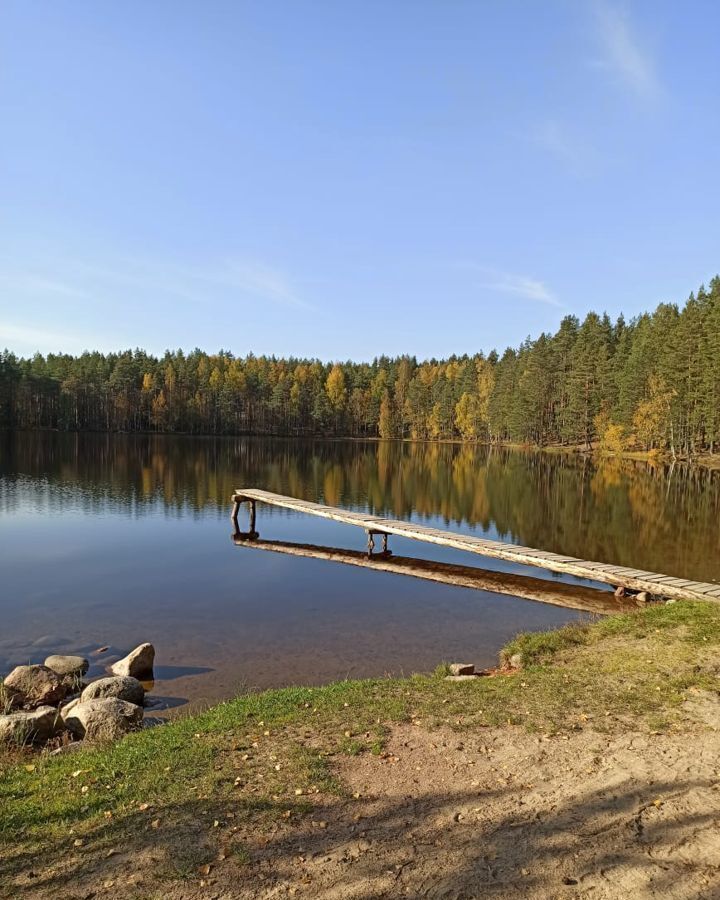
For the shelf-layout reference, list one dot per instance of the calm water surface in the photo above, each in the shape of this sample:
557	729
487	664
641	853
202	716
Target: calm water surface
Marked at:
114	540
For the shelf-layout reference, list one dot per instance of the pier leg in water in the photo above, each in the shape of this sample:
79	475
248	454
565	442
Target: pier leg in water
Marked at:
385	553
252	534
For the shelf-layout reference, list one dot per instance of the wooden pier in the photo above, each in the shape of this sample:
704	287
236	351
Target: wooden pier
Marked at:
635	580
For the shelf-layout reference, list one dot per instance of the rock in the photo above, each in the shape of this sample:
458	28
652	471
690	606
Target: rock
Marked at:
516	661
671	600
153	721
460	677
462	669
105	719
68	665
620	592
74	684
34	686
642	597
138	663
24	727
68	708
123	687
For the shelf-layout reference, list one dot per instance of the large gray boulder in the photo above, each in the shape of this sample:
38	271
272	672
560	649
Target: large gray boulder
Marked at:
106	719
24	727
34	686
138	663
122	687
75	666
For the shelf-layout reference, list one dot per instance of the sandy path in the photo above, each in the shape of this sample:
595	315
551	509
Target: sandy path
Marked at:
507	814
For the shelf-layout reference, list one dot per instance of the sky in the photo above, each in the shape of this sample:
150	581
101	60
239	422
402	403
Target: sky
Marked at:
348	179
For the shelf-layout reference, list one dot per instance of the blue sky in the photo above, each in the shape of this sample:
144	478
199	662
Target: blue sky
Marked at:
345	179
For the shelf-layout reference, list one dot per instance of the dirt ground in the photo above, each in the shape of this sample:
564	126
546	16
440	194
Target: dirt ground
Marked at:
493	813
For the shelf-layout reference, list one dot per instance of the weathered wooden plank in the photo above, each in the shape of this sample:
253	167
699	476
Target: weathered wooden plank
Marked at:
681	582
634	579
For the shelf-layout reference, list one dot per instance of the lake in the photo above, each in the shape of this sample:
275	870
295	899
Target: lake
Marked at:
107	541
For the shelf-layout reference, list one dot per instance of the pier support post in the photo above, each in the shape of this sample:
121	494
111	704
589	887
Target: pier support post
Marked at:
251	534
252	517
371	543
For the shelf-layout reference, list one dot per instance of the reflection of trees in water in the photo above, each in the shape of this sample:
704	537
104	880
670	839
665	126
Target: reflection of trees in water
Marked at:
622	511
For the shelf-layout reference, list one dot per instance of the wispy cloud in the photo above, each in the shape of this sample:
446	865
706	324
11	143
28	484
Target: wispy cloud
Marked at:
33	284
622	55
522	286
254	279
27	339
510	283
246	280
574	153
125	279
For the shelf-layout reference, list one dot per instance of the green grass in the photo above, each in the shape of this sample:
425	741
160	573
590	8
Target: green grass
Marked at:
266	757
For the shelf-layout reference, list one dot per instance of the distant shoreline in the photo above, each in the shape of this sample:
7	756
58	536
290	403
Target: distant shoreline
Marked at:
709	461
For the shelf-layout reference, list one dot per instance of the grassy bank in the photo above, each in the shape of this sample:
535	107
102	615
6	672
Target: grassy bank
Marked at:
266	760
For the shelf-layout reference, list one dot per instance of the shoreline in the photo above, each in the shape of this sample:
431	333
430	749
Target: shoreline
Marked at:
709	461
298	789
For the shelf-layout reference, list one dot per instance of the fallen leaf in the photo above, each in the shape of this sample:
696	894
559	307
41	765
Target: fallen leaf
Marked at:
205	869
155	823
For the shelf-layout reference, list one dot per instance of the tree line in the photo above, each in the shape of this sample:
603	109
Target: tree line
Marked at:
650	383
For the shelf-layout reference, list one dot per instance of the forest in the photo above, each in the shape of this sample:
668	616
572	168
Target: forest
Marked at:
652	383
